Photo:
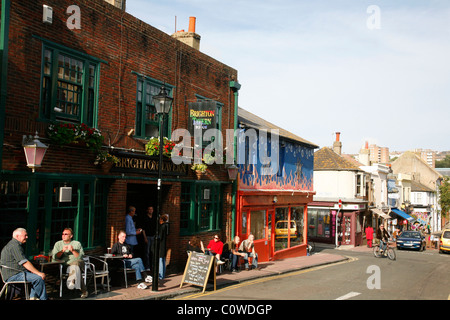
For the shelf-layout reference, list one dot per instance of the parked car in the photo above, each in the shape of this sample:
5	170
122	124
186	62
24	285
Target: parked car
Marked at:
411	240
444	241
281	229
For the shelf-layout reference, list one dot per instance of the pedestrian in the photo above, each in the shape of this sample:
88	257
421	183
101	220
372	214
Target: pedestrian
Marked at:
163	233
13	256
369	236
248	248
71	252
148	231
130	228
120	248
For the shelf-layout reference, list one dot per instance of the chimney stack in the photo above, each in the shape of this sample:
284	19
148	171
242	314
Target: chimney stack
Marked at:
337	145
117	3
364	155
190	38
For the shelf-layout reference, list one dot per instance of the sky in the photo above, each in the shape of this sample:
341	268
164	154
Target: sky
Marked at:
375	71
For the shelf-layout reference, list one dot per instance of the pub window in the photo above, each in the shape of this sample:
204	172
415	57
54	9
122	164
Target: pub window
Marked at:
201	207
69	86
147	124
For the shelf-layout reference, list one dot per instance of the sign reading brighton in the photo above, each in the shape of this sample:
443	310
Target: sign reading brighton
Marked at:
130	162
202	116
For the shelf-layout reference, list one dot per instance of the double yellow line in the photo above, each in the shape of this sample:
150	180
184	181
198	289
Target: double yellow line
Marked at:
264	279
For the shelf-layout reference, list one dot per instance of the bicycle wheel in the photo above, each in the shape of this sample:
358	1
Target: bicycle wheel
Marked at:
391	254
376	252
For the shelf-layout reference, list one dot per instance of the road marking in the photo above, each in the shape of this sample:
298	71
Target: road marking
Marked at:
264	279
349	295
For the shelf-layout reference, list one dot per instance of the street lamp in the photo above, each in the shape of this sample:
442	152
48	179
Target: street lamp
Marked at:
34	151
163	103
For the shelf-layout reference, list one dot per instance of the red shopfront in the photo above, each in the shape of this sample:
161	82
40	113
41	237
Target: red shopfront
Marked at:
277	220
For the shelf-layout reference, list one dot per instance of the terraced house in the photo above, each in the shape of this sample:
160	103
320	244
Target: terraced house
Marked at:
83	75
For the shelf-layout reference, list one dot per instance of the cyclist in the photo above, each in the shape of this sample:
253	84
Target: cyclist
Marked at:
383	236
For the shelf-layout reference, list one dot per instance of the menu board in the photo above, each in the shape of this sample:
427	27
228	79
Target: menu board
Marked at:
198	269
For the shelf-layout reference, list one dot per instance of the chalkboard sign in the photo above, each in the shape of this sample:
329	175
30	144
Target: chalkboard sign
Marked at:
198	269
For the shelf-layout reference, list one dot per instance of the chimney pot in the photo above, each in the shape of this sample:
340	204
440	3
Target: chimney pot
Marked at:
338	135
192	24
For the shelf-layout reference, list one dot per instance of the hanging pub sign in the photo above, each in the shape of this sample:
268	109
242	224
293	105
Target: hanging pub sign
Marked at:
202	116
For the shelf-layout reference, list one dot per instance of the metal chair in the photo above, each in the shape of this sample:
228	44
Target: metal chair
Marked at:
89	269
125	271
7	283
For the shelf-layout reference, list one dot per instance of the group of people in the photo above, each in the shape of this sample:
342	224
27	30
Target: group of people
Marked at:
147	228
71	253
244	249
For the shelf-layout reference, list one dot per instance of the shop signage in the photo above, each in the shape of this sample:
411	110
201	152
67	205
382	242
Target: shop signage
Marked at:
202	116
136	163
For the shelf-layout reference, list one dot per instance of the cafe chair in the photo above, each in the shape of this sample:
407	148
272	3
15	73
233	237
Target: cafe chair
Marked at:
126	271
7	283
100	272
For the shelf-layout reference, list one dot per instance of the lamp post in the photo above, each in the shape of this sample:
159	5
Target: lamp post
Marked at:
34	151
163	103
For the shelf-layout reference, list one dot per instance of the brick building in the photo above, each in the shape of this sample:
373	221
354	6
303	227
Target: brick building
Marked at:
90	62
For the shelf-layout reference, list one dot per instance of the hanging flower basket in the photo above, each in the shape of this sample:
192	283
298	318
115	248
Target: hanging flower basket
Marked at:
152	147
75	134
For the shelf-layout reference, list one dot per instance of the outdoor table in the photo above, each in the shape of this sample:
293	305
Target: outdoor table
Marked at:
44	264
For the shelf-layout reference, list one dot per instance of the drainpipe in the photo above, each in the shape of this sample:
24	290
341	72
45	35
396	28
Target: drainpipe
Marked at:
4	29
235	86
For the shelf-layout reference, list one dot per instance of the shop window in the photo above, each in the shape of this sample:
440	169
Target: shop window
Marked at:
297	237
319	223
69	85
282	228
258	224
13	208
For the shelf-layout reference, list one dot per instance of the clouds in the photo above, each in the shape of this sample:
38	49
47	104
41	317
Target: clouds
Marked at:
314	68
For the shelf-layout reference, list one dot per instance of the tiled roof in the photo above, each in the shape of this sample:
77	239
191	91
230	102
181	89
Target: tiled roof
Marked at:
418	187
253	121
327	159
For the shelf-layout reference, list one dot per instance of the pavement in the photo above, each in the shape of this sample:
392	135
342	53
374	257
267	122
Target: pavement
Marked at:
171	287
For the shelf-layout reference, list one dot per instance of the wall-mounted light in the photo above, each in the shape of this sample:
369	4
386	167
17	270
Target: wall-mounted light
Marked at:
34	151
47	14
232	172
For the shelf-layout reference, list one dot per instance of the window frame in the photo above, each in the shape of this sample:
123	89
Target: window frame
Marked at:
88	99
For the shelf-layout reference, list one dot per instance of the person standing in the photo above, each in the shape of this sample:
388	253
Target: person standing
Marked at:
369	236
130	228
148	230
71	252
13	256
248	248
163	233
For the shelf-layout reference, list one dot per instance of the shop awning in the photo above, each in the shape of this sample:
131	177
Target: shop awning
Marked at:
402	214
381	214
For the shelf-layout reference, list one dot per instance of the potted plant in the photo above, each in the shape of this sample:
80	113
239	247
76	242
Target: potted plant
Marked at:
75	134
152	147
105	160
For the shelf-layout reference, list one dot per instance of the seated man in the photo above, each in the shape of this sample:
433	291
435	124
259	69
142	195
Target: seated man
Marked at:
215	248
247	247
71	252
122	249
13	256
235	254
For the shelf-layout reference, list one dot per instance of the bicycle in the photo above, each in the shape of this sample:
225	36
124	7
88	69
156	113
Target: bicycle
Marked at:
388	252
310	246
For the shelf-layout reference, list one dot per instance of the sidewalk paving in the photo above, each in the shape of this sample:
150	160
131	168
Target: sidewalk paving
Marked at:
170	287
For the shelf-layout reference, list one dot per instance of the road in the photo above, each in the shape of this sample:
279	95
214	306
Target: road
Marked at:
413	276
